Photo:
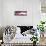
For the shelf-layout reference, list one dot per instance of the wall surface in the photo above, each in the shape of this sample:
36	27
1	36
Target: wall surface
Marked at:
1	17
31	6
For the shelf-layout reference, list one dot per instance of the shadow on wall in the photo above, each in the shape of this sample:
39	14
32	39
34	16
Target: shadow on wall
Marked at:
1	32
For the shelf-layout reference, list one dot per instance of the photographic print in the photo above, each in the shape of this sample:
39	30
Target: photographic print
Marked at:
20	13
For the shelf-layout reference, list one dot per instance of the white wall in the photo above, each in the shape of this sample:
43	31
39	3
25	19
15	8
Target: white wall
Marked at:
31	6
1	17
